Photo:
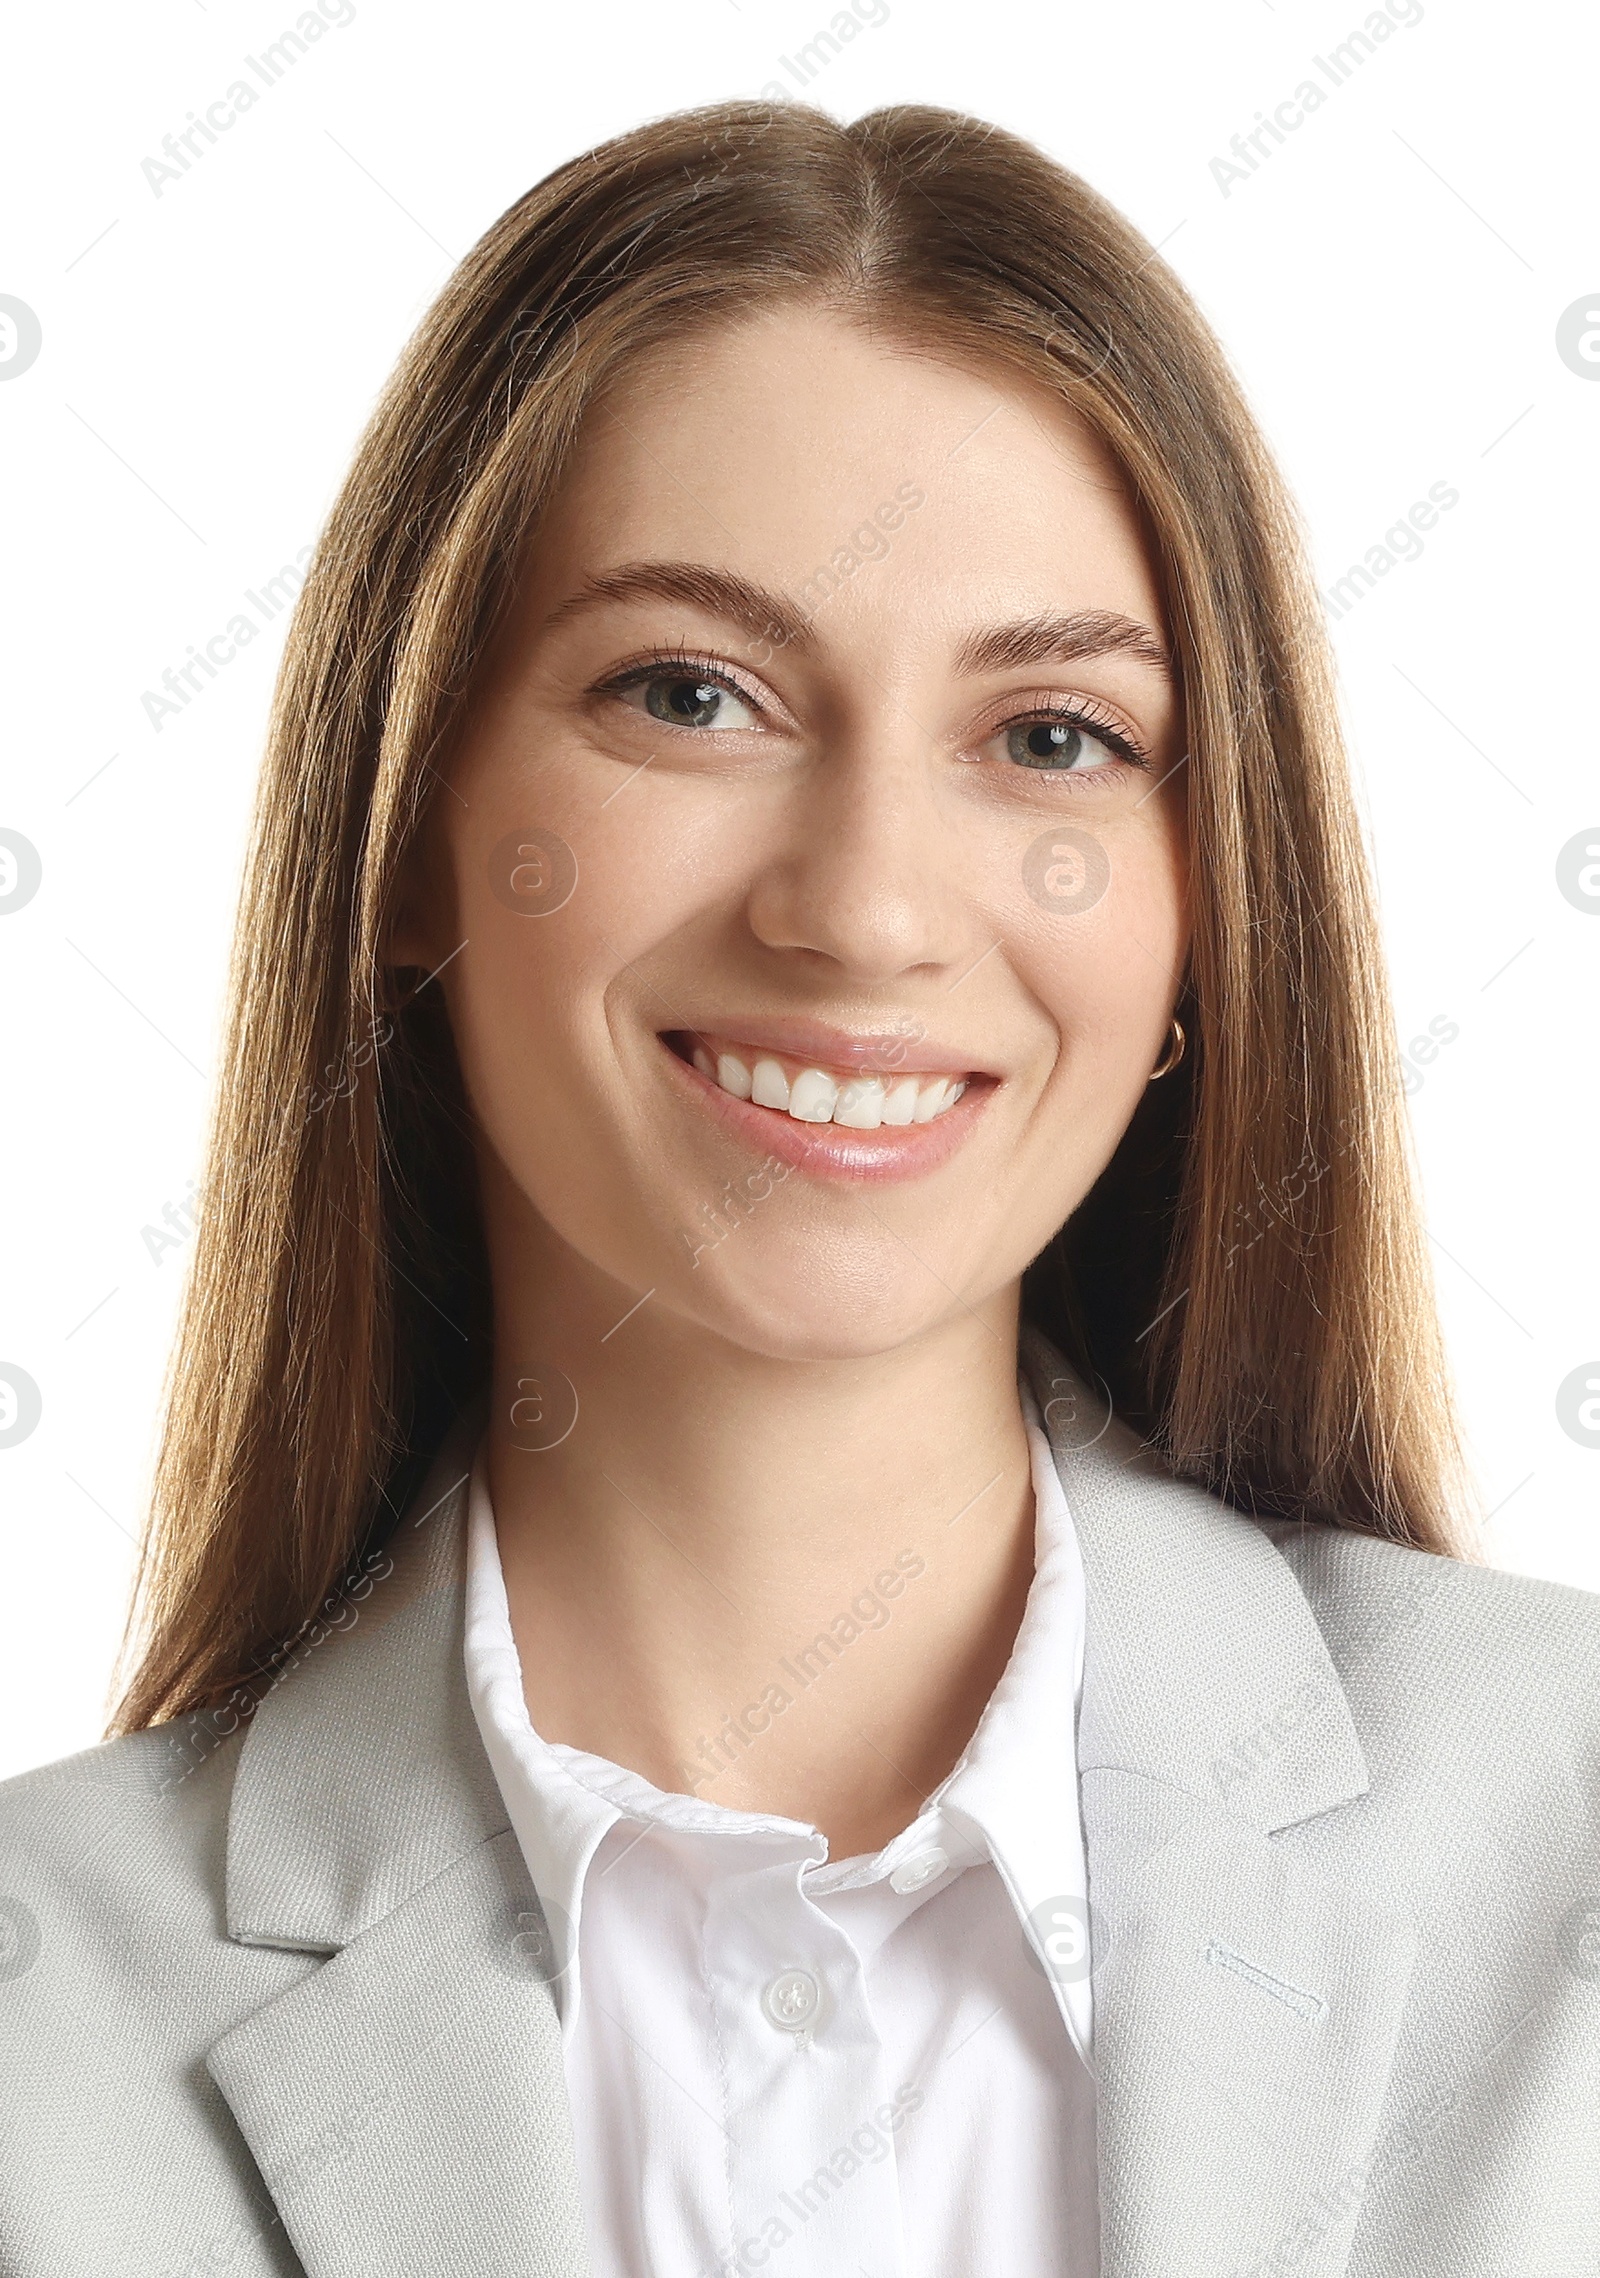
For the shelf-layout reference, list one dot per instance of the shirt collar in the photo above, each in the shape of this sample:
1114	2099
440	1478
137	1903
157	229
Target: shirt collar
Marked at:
563	1802
559	1823
1012	1797
1016	1786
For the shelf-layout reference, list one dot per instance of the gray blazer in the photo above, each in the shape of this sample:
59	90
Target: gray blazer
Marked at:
272	1997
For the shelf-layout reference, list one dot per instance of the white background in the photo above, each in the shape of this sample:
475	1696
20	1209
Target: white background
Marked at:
1388	283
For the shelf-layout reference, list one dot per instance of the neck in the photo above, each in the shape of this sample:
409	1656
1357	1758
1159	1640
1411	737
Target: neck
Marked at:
781	1585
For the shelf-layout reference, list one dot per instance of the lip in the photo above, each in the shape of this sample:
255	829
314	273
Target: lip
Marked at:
832	1150
901	1050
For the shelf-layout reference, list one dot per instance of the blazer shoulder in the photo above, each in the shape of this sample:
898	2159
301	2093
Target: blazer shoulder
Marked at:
1403	1621
107	1834
117	1979
159	1761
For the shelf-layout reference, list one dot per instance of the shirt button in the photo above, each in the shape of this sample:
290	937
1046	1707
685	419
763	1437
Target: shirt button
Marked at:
913	1873
791	2001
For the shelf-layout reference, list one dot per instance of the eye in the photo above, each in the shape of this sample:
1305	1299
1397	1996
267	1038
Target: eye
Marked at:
1065	743
686	696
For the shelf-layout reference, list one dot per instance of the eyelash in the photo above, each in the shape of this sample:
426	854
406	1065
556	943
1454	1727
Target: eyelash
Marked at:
1072	712
656	664
1078	712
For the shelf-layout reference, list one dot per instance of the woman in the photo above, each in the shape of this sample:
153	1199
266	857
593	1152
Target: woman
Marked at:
805	839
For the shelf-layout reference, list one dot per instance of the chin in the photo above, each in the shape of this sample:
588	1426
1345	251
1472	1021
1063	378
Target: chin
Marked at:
766	1313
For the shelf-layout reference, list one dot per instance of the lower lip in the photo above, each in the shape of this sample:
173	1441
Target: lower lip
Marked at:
832	1150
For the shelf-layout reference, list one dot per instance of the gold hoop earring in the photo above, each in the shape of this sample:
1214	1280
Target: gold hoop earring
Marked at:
1175	1051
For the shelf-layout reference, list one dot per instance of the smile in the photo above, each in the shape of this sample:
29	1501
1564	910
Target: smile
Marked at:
811	1094
831	1104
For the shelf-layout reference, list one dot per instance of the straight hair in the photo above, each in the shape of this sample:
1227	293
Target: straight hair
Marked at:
1247	1283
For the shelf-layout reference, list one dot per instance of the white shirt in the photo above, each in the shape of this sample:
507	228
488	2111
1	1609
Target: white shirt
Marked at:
777	2062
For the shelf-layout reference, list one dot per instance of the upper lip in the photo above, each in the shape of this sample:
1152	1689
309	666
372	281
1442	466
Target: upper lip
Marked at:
892	1047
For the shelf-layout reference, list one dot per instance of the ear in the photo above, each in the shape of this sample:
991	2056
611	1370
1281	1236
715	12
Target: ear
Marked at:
422	909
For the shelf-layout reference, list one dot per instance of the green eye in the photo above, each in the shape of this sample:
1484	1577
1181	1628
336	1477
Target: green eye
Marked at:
690	703
685	698
1054	744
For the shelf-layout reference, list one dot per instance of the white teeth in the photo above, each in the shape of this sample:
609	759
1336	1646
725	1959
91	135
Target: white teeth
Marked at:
860	1103
733	1075
771	1086
937	1098
813	1096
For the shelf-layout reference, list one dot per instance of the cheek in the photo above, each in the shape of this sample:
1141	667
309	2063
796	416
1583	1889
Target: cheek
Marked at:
565	921
527	1002
595	860
1100	943
528	1009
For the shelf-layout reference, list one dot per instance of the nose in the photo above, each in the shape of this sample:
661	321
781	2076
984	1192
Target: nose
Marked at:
864	876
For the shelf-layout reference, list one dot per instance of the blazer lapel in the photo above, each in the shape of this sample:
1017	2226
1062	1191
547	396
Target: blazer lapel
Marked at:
406	2101
1248	1986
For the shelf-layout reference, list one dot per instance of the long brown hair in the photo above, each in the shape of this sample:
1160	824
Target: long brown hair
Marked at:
1247	1280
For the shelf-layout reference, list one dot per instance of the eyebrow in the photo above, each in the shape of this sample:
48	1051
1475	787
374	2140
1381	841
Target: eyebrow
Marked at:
1067	638
721	593
1064	639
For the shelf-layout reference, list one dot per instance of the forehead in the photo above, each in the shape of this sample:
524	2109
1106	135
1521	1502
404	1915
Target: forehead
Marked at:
769	442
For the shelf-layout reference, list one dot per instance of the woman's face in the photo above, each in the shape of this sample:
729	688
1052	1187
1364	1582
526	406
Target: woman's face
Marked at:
830	756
